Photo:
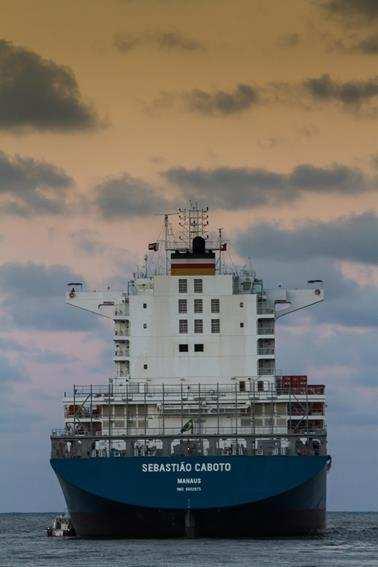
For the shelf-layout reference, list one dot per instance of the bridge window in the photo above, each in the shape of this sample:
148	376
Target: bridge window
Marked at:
183	326
215	325
215	305
183	286
182	306
198	306
198	287
198	325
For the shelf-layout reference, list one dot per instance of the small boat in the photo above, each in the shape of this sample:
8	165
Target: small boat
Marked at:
61	527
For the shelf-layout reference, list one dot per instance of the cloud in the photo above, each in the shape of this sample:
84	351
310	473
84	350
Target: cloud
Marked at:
288	40
11	374
87	241
15	417
307	131
8	344
175	40
269	143
354	95
32	187
349	93
165	40
125	43
368	45
352	10
35	280
121	261
187	4
221	103
332	349
41	356
316	252
126	196
10	371
226	187
33	298
347	304
52	357
347	238
217	103
40	94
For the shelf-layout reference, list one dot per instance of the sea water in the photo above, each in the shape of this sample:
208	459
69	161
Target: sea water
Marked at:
351	539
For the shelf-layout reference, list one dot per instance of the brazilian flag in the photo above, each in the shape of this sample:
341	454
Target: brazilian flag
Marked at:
187	426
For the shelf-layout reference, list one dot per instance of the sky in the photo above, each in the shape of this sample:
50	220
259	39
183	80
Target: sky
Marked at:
114	111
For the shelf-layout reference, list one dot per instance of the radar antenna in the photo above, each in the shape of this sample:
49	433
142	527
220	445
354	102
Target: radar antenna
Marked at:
193	221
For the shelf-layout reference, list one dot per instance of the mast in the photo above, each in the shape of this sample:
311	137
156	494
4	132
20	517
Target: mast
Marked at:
165	240
166	228
220	249
193	221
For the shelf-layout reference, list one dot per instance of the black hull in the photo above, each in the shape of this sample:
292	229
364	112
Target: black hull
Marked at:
300	511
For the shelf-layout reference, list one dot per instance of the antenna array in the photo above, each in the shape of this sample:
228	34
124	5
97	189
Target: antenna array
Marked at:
193	221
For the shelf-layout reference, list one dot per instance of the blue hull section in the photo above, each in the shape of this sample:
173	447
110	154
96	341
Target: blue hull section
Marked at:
209	496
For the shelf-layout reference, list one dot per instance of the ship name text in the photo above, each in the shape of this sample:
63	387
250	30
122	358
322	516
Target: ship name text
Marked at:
186	467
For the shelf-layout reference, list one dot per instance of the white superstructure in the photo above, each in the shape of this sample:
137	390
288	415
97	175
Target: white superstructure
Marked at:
195	324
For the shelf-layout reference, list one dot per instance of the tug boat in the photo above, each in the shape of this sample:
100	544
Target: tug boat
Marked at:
61	527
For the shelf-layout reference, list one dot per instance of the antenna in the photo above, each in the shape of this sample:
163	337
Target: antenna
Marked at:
220	229
145	266
166	235
193	221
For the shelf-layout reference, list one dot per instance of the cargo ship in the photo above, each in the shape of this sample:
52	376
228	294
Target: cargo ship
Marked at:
196	434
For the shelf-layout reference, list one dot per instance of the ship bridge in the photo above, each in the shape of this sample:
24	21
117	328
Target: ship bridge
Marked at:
192	319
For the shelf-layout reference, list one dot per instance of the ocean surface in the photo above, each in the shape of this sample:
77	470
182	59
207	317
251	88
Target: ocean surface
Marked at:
351	539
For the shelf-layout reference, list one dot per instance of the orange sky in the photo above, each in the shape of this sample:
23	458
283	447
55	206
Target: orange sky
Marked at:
163	99
242	42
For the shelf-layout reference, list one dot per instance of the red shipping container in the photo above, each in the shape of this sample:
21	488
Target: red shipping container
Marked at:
294	381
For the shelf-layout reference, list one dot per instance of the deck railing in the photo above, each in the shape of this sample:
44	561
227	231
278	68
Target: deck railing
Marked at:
243	385
176	444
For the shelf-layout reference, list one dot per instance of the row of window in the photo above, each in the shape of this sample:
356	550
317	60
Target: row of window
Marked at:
198	326
197	285
197	348
198	306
